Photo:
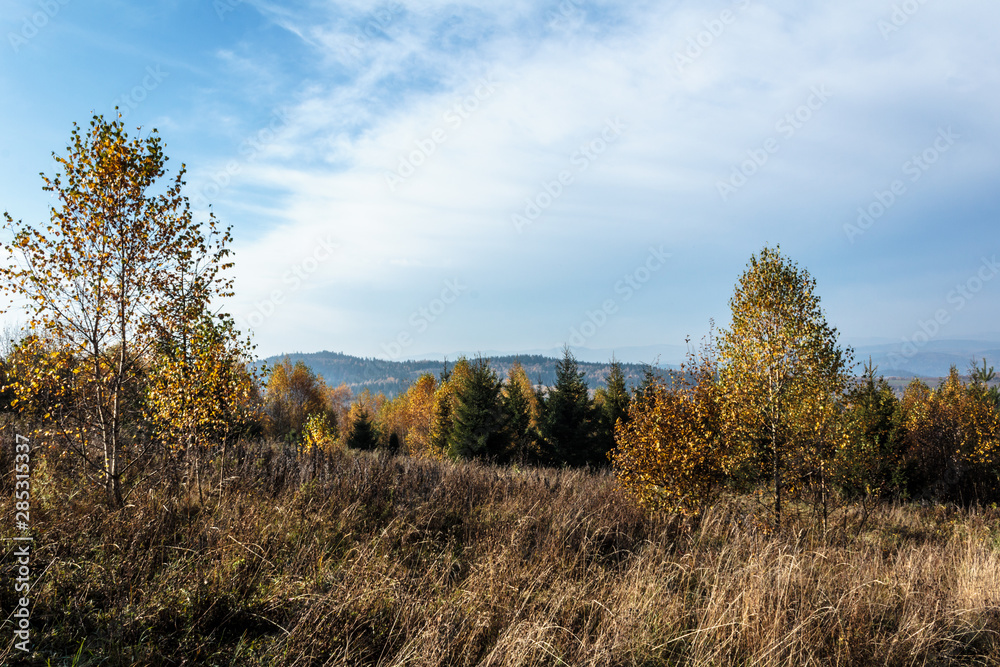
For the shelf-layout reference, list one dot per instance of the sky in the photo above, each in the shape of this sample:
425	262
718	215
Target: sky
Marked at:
419	177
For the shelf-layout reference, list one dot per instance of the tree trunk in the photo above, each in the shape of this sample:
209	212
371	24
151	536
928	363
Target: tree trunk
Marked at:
777	477
222	465
822	481
197	473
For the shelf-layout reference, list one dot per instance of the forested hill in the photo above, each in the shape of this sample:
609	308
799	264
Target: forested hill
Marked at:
393	377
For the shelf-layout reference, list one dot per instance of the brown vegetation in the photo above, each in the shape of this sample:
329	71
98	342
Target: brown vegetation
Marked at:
381	560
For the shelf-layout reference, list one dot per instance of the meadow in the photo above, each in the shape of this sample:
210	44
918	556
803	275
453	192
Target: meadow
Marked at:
365	558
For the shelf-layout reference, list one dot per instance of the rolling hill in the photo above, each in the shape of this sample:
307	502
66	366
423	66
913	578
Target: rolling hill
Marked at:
393	377
931	362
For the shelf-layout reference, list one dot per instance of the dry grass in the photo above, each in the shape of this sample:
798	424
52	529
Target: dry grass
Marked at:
397	561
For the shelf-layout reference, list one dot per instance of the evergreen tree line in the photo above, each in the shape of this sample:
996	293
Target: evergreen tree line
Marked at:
467	411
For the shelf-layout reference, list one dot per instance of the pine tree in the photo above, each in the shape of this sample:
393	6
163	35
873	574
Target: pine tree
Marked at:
981	378
362	433
869	458
648	386
569	424
617	393
441	421
478	421
612	403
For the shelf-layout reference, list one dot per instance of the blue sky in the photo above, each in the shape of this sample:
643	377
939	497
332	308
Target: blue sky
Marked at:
420	177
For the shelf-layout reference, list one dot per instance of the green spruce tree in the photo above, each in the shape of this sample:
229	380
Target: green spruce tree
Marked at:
613	401
649	385
869	463
363	434
569	423
478	423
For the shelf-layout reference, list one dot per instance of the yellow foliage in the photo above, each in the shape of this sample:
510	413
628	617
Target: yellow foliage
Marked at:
410	415
517	375
293	393
952	433
120	267
203	393
319	434
782	375
668	453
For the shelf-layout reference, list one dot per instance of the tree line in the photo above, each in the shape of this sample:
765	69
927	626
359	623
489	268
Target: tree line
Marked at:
772	405
467	411
393	378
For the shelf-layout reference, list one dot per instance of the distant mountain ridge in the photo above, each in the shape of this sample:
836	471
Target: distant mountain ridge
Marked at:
394	377
669	355
931	360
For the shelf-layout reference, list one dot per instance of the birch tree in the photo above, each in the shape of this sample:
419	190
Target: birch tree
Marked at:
781	372
100	281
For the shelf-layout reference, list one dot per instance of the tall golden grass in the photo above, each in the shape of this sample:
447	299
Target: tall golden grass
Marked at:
376	560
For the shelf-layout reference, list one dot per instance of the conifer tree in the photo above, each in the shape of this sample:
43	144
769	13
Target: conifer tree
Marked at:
648	386
981	378
868	459
441	420
613	402
478	421
362	434
569	424
521	410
